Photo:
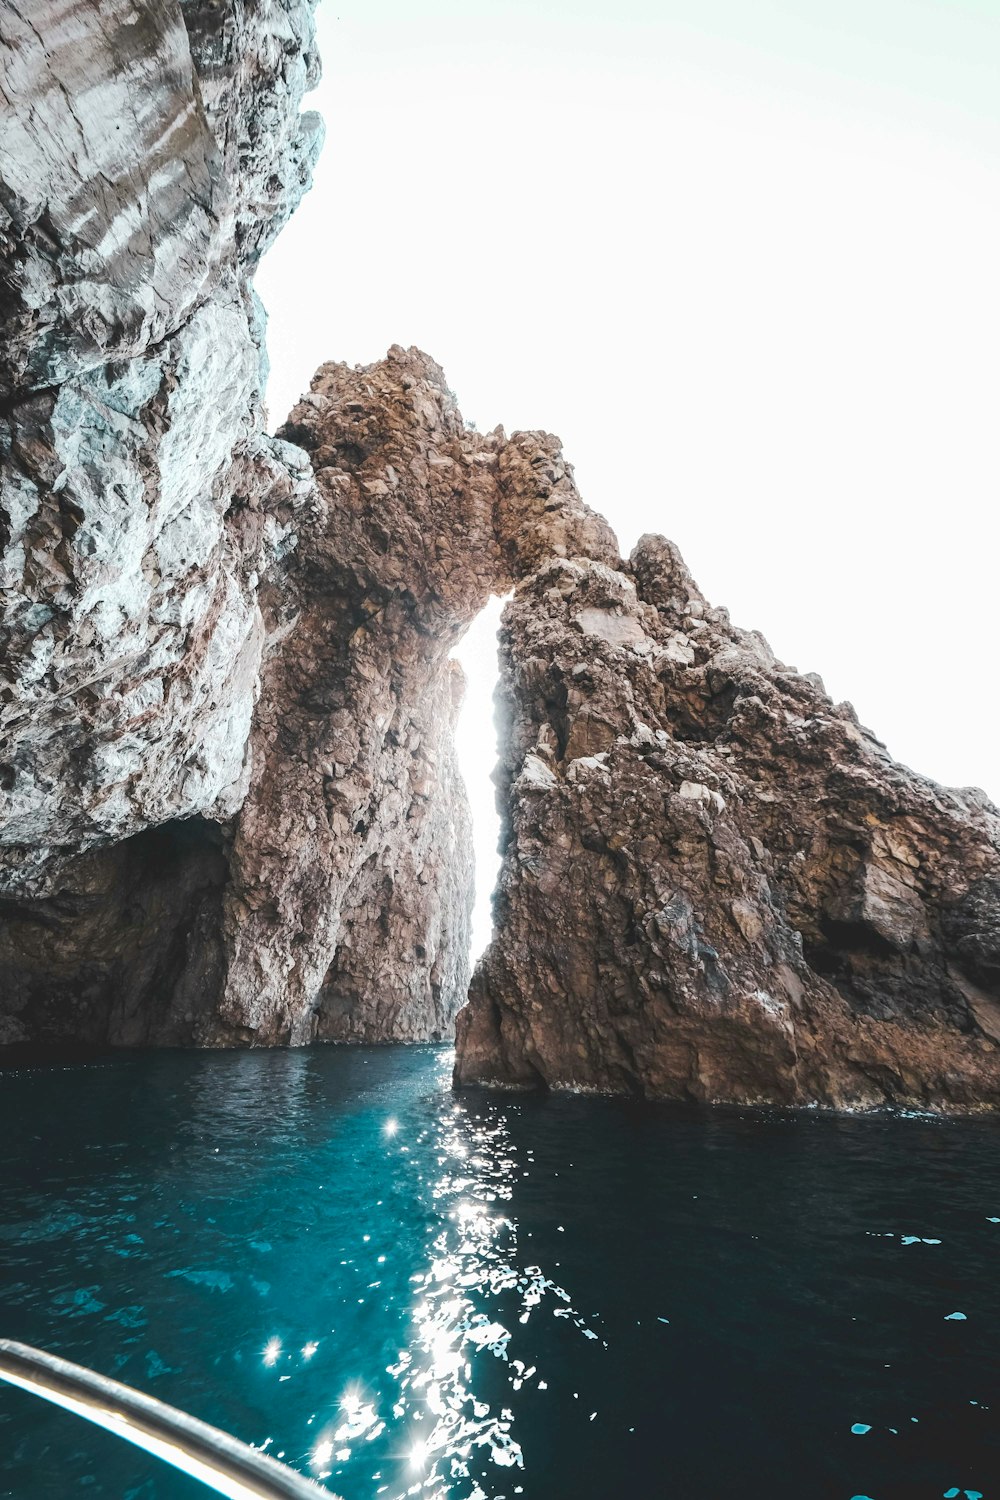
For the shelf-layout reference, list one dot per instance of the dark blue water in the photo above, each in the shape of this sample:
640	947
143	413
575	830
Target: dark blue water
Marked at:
406	1292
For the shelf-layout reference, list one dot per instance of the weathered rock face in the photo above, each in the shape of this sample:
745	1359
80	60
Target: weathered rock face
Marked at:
125	950
351	882
347	913
147	154
716	885
230	810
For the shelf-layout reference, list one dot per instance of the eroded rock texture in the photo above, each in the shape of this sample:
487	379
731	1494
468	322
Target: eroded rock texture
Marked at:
716	884
347	914
147	154
230	810
351	871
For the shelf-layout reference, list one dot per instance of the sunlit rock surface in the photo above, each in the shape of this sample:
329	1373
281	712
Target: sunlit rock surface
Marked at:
159	549
716	884
319	884
147	151
147	155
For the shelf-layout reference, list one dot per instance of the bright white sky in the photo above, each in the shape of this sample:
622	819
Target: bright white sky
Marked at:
742	255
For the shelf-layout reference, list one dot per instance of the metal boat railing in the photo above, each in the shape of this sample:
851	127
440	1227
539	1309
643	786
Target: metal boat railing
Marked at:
227	1466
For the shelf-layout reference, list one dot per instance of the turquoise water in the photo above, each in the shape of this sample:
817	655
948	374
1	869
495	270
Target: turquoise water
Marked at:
407	1292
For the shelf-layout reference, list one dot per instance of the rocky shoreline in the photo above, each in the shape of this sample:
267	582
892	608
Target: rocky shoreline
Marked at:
230	807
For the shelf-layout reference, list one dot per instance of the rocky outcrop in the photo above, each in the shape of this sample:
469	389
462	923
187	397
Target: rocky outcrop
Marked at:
150	153
347	913
716	884
230	810
328	894
348	905
147	156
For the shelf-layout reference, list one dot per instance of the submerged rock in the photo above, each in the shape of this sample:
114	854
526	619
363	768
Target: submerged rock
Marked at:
716	884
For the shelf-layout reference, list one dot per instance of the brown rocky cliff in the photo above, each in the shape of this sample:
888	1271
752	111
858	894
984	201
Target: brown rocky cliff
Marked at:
351	869
348	902
230	810
335	902
716	885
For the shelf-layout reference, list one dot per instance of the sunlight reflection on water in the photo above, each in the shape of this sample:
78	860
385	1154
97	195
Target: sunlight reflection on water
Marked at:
402	1292
439	1416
